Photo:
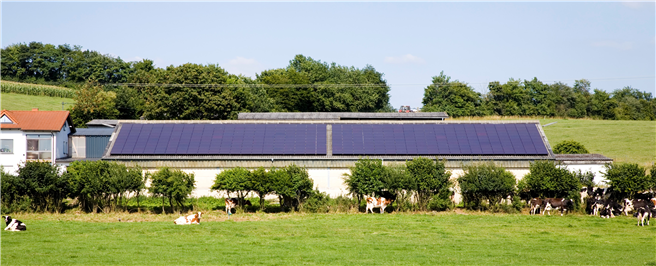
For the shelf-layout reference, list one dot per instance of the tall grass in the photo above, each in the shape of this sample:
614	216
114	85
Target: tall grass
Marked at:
36	89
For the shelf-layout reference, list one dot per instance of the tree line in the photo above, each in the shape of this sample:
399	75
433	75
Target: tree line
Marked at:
535	98
201	92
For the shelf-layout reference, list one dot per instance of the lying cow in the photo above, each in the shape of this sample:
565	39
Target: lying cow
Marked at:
377	203
643	213
557	203
189	219
232	203
610	208
14	225
536	204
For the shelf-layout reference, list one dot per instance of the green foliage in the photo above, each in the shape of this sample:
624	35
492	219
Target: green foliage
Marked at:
586	179
14	193
260	183
570	147
453	97
175	185
319	202
485	182
35	89
430	177
652	177
309	85
550	180
365	178
627	179
102	184
43	184
92	102
292	184
397	181
235	180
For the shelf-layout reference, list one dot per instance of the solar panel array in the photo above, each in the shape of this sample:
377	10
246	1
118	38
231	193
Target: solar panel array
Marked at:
437	139
221	139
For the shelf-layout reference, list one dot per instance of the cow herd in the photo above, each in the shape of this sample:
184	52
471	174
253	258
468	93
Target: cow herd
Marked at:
600	203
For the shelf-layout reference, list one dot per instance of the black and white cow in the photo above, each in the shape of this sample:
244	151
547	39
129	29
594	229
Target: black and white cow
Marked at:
536	204
557	203
14	225
610	208
635	204
643	213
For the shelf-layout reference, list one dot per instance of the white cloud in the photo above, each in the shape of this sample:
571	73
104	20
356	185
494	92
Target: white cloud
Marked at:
404	59
613	44
244	66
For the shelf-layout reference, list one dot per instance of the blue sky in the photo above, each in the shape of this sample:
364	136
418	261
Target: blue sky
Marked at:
611	44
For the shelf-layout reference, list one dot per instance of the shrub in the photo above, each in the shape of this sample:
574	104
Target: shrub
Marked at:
440	203
235	180
652	177
626	179
42	183
570	147
13	193
485	182
547	179
103	185
365	178
397	181
319	202
431	178
260	183
175	185
292	184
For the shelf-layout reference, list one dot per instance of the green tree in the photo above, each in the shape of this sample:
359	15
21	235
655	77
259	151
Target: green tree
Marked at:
14	192
260	183
235	180
570	147
548	179
292	184
92	102
365	178
42	182
172	184
485	182
627	179
602	106
453	97
397	181
430	177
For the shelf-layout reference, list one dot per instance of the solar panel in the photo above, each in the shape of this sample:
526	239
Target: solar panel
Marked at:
437	139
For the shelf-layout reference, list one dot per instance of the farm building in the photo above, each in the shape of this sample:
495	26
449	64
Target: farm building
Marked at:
327	144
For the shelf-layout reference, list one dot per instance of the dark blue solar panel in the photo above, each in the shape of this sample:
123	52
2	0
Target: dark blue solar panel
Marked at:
437	139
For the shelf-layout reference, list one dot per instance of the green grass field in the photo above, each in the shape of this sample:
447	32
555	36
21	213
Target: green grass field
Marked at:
343	239
624	141
14	101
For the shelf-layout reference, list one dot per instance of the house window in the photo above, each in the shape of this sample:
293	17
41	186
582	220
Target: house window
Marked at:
39	147
7	146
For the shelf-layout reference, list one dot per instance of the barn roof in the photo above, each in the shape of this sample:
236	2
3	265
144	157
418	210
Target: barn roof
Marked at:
344	116
94	131
335	140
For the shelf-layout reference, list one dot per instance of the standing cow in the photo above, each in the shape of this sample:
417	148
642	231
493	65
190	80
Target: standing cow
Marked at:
564	205
377	203
536	204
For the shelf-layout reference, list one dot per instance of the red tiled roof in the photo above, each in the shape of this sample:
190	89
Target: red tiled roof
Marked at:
36	120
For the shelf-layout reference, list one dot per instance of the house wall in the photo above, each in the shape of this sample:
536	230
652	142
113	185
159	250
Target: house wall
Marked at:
11	161
61	142
596	169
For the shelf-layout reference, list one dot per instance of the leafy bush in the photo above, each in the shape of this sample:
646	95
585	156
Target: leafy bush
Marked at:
627	179
570	147
292	184
13	193
485	182
235	180
547	179
440	203
103	185
42	183
260	183
319	202
175	185
365	178
431	178
397	181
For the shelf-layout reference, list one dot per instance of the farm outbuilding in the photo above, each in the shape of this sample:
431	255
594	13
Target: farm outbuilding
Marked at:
326	144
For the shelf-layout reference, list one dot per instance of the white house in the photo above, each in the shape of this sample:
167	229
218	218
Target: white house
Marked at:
33	135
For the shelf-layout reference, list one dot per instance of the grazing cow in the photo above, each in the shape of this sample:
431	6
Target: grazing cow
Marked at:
557	203
377	203
14	225
642	214
189	219
232	202
536	203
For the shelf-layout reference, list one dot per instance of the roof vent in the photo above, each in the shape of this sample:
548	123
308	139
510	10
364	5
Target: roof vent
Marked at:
35	109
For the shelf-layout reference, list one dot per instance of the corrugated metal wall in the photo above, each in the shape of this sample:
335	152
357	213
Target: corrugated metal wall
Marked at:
96	146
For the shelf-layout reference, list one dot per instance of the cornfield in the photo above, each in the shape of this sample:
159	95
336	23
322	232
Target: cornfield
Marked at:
36	89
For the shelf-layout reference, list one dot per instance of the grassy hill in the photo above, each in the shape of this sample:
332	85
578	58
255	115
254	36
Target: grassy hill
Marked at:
13	101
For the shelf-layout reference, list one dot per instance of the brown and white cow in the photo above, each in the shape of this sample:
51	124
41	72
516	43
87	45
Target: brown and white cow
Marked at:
536	204
557	203
377	203
189	219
